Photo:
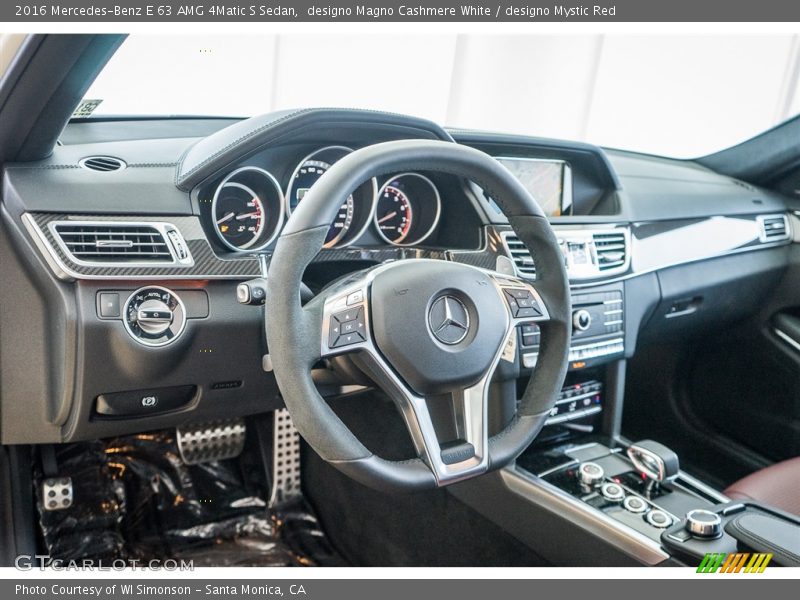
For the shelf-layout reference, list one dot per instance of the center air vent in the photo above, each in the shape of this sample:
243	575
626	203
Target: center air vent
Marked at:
773	228
98	243
102	163
520	255
611	250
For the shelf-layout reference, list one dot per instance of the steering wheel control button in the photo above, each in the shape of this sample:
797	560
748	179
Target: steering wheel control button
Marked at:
448	319
658	518
612	492
704	524
108	305
154	316
456	452
522	303
347	327
355	298
634	504
590	473
142	403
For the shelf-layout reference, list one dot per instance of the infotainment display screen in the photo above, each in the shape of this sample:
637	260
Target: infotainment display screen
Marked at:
548	181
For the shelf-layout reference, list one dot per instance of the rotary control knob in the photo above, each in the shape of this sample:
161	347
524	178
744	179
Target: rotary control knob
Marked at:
154	316
590	473
703	524
581	320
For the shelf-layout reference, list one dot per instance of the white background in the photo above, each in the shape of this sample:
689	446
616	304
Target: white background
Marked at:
677	95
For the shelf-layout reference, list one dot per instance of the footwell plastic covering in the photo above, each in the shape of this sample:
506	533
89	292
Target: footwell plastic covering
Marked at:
135	500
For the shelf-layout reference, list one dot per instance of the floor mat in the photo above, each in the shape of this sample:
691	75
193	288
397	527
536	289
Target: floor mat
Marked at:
134	499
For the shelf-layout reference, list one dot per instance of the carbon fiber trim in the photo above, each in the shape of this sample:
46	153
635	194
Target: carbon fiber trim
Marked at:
207	265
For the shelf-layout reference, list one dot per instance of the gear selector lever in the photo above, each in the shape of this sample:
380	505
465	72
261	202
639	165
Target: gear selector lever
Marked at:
656	461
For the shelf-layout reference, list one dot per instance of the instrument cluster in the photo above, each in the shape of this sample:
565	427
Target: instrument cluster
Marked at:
250	206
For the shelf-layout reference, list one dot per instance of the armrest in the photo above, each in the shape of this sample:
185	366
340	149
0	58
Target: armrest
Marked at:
761	532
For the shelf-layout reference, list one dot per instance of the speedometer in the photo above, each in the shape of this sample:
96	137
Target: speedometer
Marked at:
307	175
354	214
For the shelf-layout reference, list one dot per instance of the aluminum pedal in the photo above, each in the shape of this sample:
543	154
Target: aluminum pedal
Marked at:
285	459
207	442
57	493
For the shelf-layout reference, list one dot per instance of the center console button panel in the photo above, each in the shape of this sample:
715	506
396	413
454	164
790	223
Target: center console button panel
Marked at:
598	329
577	401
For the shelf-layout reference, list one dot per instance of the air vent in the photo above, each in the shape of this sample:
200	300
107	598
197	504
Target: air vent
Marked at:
102	163
97	243
773	228
611	250
520	255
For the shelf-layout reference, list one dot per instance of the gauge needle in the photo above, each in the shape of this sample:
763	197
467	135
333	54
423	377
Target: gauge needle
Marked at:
387	217
227	217
247	216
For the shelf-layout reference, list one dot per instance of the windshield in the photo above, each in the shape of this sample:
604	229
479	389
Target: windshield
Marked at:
672	95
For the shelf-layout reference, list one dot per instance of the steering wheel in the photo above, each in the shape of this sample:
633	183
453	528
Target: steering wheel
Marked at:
423	330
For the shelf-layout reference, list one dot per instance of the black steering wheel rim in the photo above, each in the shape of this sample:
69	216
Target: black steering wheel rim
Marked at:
293	331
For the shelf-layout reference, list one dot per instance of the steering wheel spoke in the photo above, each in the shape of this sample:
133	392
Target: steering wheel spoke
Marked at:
462	451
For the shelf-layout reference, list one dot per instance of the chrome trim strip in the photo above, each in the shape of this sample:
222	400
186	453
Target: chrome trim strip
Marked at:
596	522
678	264
696	483
787	338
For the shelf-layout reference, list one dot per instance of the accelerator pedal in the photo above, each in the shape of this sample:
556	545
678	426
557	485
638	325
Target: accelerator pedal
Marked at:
285	459
207	442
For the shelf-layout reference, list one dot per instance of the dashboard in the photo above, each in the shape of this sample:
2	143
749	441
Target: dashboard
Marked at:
124	251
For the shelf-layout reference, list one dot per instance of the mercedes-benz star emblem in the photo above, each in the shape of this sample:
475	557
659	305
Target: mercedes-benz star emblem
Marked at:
449	320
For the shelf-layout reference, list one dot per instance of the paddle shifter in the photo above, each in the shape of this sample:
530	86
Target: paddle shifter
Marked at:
656	461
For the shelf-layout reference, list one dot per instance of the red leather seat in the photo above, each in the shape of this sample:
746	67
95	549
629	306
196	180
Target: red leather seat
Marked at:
778	486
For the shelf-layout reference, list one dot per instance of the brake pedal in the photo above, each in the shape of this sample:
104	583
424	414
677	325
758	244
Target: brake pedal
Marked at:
285	459
57	493
207	442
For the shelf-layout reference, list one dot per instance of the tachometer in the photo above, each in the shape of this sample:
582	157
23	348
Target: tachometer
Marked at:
353	216
408	209
394	214
247	209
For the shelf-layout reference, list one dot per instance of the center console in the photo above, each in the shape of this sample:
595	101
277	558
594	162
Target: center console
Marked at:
635	498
